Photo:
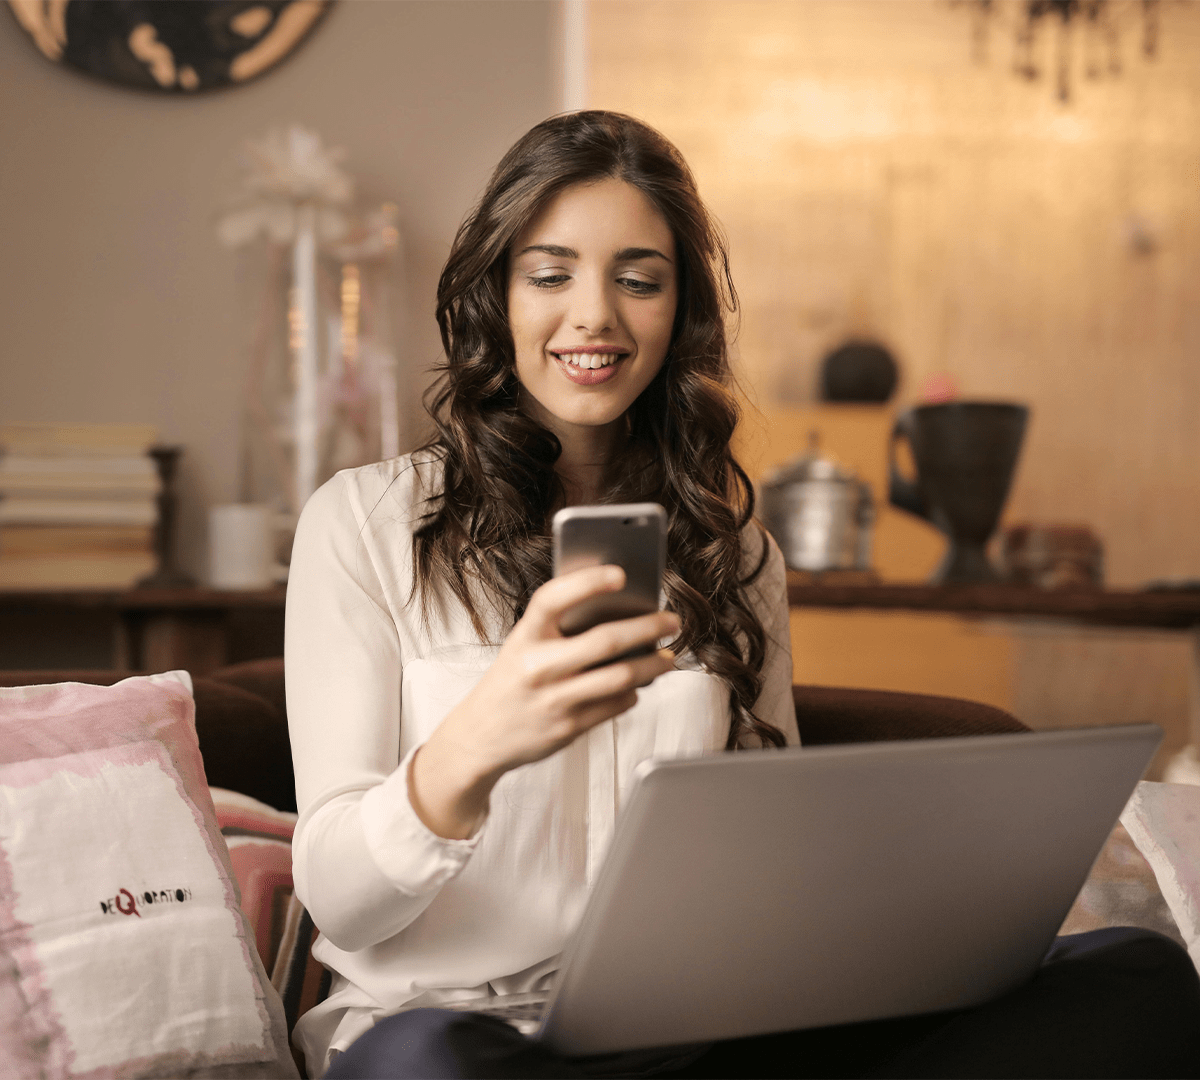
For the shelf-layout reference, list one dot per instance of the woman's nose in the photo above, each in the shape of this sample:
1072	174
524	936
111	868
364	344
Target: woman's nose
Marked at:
592	308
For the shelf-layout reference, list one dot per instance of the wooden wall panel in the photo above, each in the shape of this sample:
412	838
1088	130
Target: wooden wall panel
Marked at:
913	653
878	174
874	178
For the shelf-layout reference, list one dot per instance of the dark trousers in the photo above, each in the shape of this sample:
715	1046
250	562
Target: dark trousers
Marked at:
1110	1003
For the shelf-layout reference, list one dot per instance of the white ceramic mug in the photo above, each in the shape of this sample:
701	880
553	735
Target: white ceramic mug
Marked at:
240	543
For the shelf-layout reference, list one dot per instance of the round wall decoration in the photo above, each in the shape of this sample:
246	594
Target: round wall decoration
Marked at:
179	47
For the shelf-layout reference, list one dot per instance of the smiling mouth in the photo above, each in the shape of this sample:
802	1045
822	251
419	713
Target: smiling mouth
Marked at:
586	361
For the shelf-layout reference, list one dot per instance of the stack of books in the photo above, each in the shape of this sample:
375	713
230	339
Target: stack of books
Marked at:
78	505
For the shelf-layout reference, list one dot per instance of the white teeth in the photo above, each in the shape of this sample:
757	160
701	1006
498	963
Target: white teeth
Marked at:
590	360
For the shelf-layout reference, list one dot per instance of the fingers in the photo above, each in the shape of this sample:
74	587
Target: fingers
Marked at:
581	692
588	716
596	696
558	659
548	603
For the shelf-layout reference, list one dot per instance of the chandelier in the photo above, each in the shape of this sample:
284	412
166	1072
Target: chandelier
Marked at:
1091	30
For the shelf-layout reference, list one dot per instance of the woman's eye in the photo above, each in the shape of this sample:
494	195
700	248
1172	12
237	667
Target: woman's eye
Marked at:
638	285
547	281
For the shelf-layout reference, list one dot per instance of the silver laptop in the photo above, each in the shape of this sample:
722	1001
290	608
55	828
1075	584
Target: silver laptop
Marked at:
772	891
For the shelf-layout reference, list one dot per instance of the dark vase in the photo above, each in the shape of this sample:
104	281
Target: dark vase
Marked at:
859	371
965	453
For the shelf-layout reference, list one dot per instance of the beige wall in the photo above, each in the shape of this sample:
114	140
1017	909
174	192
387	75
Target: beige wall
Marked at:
117	302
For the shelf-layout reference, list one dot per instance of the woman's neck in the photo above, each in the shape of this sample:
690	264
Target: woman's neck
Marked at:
587	452
586	456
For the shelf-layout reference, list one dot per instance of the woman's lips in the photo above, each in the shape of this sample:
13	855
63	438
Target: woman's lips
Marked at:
589	376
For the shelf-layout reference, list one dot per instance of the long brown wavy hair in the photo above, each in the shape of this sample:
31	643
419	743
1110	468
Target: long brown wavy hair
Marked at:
489	526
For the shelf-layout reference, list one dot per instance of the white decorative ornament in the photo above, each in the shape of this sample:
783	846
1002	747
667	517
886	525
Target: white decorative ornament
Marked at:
322	380
285	169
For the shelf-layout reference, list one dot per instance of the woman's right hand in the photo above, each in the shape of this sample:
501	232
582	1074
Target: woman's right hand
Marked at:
537	697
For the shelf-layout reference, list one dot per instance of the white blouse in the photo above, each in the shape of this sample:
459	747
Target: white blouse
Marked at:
403	913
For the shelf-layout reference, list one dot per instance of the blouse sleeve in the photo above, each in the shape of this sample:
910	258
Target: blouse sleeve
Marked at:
364	864
768	593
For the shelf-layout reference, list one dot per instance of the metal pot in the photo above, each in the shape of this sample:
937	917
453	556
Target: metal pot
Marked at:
820	514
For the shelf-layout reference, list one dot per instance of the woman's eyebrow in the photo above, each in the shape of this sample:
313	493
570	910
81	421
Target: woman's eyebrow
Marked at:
633	253
550	249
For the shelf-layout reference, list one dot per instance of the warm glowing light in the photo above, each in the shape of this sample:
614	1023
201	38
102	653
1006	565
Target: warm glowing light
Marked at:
296	328
390	234
351	307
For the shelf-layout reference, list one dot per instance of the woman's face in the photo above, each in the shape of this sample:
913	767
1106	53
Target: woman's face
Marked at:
592	292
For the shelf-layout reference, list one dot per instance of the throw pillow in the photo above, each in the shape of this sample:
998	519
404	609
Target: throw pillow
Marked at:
259	839
1164	821
123	951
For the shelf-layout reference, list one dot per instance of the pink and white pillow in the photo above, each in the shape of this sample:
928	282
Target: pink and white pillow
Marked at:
123	950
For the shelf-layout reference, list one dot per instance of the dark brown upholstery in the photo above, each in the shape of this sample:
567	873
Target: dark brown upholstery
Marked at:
34	678
261	677
244	741
241	720
828	714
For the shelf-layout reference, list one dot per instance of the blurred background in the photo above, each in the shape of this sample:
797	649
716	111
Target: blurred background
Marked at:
1005	195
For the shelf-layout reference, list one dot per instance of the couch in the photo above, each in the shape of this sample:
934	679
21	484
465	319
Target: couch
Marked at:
241	723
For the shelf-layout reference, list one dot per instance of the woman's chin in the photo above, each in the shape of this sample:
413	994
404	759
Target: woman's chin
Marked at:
566	418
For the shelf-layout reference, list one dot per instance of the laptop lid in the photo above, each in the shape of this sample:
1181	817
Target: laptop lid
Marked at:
770	891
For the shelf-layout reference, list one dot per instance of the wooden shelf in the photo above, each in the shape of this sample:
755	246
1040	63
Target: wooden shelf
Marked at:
1099	607
147	599
153	629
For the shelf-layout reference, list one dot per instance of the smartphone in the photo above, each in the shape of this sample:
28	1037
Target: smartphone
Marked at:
632	536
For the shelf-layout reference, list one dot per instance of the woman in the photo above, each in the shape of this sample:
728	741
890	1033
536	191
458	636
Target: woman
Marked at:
459	763
581	314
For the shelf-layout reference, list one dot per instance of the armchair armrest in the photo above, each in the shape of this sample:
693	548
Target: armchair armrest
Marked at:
828	714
